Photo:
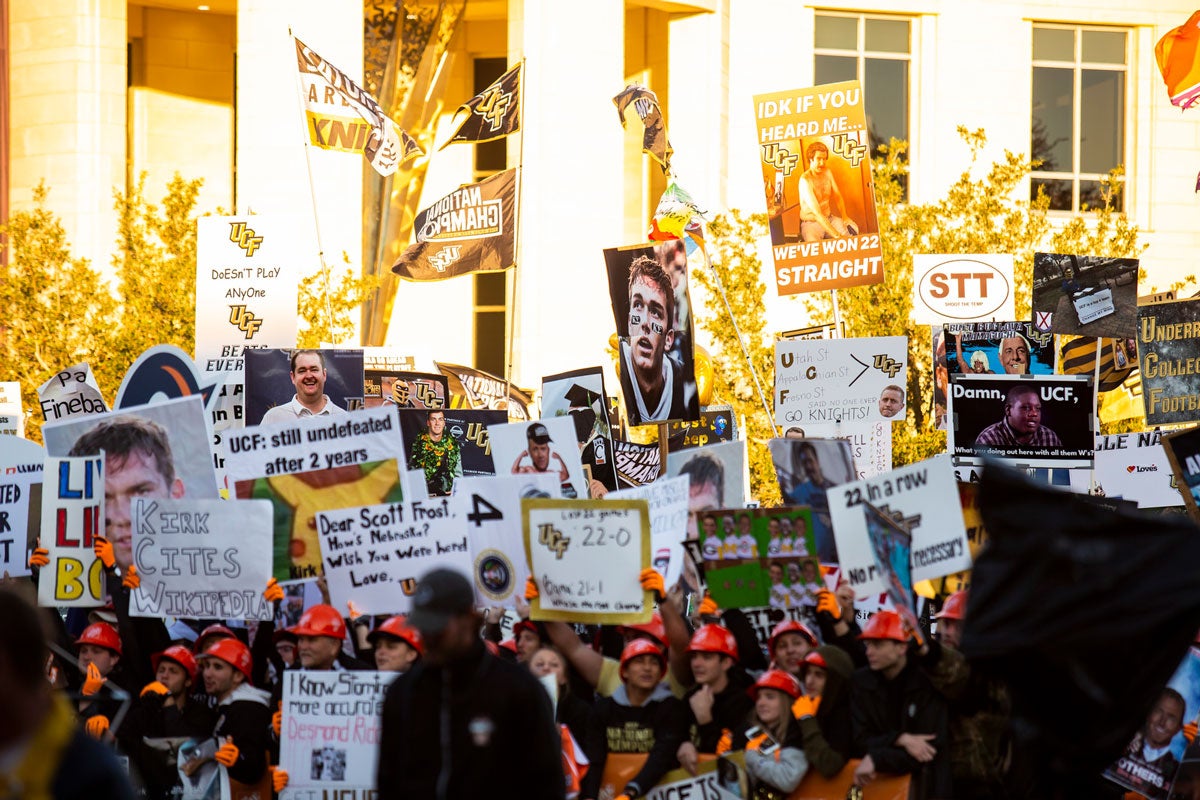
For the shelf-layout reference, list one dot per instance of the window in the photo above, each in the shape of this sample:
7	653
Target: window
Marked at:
877	51
1078	121
490	313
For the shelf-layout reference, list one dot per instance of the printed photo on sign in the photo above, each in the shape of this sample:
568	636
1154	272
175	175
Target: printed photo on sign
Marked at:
1085	295
1168	346
545	446
1039	421
282	385
580	395
297	499
756	557
996	348
816	163
421	390
1183	451
716	477
447	444
870	442
716	424
1135	466
891	544
807	469
840	380
954	288
637	464
648	285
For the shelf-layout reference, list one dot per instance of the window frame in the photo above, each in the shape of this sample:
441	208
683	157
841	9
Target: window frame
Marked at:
477	308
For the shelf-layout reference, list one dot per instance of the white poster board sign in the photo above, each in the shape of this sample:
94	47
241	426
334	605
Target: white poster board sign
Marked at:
72	516
668	500
73	392
1134	466
832	380
962	288
17	492
1094	306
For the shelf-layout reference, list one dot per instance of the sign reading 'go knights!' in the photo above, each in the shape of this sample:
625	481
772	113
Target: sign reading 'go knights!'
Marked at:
472	229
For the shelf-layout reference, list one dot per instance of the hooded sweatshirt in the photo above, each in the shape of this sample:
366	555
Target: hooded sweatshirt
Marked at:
245	717
657	727
829	737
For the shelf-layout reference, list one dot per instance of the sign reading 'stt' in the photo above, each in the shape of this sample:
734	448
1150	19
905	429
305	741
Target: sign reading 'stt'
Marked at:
974	288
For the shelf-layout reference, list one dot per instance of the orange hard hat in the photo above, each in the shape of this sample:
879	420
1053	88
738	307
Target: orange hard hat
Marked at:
642	647
232	652
217	630
398	628
654	628
776	679
101	634
790	626
885	625
180	655
714	639
525	625
321	620
955	606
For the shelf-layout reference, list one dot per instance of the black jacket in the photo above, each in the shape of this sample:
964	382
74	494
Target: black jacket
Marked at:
501	742
656	728
829	737
247	720
731	708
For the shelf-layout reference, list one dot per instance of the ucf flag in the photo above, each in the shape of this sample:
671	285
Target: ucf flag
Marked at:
493	113
472	229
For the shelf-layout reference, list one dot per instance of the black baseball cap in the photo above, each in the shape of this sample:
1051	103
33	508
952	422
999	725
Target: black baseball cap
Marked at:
538	432
441	595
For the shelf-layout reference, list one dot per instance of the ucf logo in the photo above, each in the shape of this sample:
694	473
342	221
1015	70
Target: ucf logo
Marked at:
445	257
244	320
887	365
494	106
782	159
478	434
849	149
244	237
427	396
553	539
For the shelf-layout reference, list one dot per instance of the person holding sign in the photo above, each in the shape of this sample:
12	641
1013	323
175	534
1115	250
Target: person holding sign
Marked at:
308	375
99	653
775	756
819	194
244	718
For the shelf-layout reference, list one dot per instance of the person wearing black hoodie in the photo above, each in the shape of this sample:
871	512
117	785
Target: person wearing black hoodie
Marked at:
718	703
824	710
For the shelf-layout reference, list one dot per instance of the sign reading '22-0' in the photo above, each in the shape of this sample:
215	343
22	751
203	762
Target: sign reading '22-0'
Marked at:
962	288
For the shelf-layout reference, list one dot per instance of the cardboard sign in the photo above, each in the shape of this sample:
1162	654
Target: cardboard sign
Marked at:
72	516
373	555
808	470
580	395
962	288
12	413
870	442
73	392
923	499
716	424
996	348
467	427
586	556
1091	306
759	557
201	559
1085	295
668	501
1168	344
1134	466
1183	450
816	163
846	380
544	446
20	519
891	545
329	737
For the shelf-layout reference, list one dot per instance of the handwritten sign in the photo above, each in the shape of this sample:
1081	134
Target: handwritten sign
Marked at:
201	559
831	380
586	556
668	500
72	516
71	393
20	502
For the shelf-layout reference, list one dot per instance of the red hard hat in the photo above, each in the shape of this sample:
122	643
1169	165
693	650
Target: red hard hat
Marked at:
399	628
510	645
885	625
101	634
642	647
790	626
232	652
211	630
180	655
776	679
321	620
815	659
653	628
955	607
525	625
714	639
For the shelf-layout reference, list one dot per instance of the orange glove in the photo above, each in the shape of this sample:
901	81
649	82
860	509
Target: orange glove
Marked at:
94	680
353	609
1190	730
805	706
758	741
652	581
725	742
227	754
621	797
274	592
97	726
104	551
277	719
709	607
827	602
531	590
154	687
40	557
279	779
131	580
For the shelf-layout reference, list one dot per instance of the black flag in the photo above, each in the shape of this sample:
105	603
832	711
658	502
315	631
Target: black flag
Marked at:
645	103
493	113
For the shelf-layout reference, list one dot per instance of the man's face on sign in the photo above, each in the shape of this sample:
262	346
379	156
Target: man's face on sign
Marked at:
308	377
137	475
437	424
810	465
890	403
1165	720
1024	413
539	454
650	331
701	497
1014	355
819	159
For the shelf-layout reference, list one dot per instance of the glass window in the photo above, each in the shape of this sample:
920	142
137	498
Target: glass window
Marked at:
1078	118
490	306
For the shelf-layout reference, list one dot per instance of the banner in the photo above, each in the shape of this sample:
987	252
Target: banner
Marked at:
339	115
201	559
841	380
816	164
1168	341
760	557
472	229
464	446
586	556
1135	466
546	446
716	424
73	512
668	503
493	113
654	138
1085	295
271	385
73	392
807	470
637	464
483	390
962	288
329	737
1183	451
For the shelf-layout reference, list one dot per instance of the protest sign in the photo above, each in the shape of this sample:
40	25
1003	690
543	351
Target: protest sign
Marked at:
580	395
73	392
329	735
73	513
962	288
652	309
586	556
637	464
201	559
204	779
807	469
20	517
1183	451
485	391
923	498
540	447
1032	420
1086	295
668	502
422	390
757	557
816	163
716	424
846	380
374	554
1004	348
1135	466
1185	681
717	477
1168	343
270	383
870	442
490	507
891	546
12	413
464	448
721	778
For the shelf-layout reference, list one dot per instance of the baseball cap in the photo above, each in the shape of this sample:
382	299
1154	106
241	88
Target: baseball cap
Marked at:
538	433
441	595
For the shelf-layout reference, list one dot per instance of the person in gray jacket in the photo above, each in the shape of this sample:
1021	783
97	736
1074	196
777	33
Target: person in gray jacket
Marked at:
772	740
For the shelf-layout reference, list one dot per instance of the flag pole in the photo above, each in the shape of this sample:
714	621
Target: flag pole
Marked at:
511	284
312	192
